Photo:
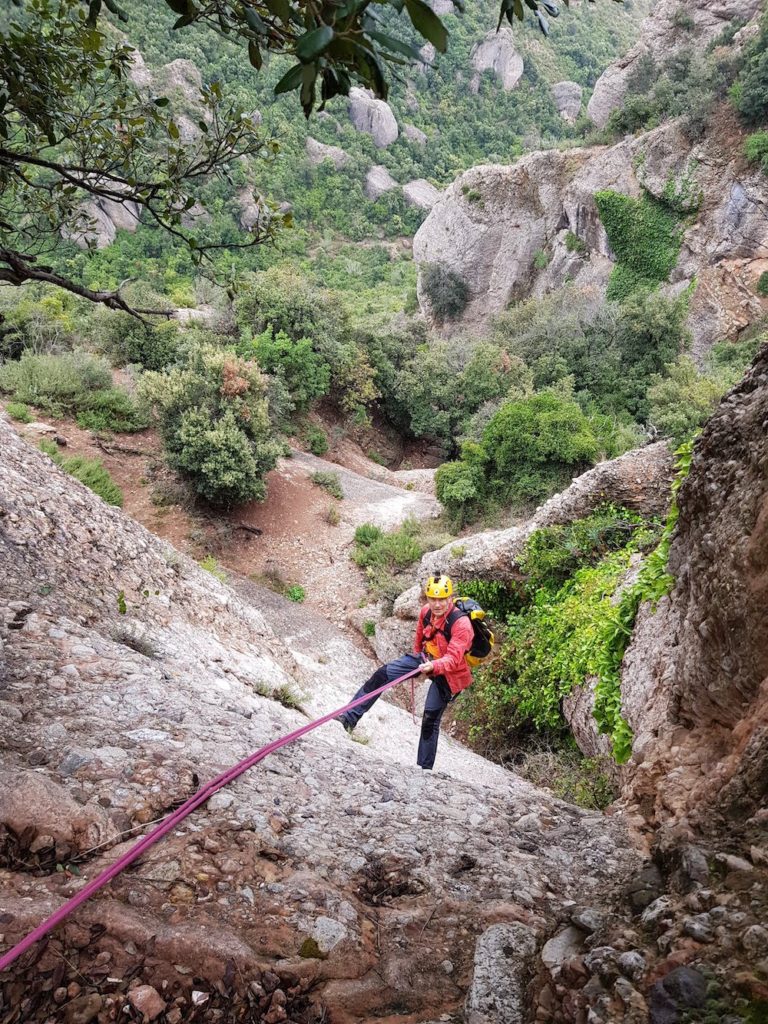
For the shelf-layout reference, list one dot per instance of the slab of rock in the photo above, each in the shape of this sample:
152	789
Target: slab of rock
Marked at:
317	152
373	116
414	134
503	961
567	97
421	193
378	180
497	53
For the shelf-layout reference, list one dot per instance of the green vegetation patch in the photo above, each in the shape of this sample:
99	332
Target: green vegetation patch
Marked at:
645	238
90	472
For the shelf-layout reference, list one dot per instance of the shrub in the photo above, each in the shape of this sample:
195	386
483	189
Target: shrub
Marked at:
541	259
123	340
762	284
447	292
214	420
90	472
575	244
367	534
369	628
751	97
19	412
756	148
73	382
645	238
211	565
681	402
317	440
329	481
332	516
296	593
307	376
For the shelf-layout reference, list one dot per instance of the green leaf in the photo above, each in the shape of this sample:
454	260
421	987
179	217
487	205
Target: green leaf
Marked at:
254	54
291	80
313	43
160	101
173	130
281	9
179	6
396	45
427	24
185	19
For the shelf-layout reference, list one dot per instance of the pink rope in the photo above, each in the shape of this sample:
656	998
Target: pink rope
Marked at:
173	819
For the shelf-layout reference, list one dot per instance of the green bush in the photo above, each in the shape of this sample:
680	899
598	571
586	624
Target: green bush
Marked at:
681	402
210	564
446	291
90	472
329	481
124	340
751	97
756	148
317	440
55	383
214	420
645	238
296	593
762	284
307	376
575	244
19	412
541	259
75	383
367	534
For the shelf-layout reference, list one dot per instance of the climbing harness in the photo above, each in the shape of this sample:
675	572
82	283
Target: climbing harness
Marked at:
175	818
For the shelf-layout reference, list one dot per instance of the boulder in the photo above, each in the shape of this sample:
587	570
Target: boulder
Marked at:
421	193
497	53
378	180
317	152
373	116
503	965
567	97
414	134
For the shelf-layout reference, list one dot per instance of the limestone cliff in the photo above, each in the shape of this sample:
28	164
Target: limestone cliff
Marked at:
495	223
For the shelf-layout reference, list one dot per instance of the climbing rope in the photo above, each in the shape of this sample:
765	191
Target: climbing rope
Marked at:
175	818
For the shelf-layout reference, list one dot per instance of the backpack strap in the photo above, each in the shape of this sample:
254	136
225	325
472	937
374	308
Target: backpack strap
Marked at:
454	615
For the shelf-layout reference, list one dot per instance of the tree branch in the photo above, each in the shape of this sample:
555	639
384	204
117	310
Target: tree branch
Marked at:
19	269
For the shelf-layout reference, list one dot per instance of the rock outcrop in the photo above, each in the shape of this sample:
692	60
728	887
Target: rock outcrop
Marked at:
695	680
378	180
334	876
317	152
373	116
421	193
567	97
664	33
497	53
490	223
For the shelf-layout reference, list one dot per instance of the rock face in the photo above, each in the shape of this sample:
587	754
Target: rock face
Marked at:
101	220
695	680
317	152
378	180
663	34
567	97
410	131
490	223
421	193
128	676
372	116
497	53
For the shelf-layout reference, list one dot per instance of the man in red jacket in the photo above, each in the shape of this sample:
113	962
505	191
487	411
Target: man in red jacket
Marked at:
443	637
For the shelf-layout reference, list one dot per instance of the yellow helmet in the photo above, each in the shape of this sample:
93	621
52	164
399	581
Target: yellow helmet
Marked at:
439	586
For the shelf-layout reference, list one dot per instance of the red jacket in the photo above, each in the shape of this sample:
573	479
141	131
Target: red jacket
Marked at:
451	663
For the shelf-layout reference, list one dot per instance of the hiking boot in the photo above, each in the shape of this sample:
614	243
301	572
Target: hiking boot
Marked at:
348	726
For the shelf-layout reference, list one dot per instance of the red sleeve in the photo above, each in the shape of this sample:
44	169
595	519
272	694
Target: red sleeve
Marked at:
462	636
419	637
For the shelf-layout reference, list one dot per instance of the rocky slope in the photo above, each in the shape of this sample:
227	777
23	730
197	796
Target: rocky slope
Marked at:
494	221
337	876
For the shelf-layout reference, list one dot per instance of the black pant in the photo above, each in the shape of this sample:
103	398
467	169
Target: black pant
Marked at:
439	697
